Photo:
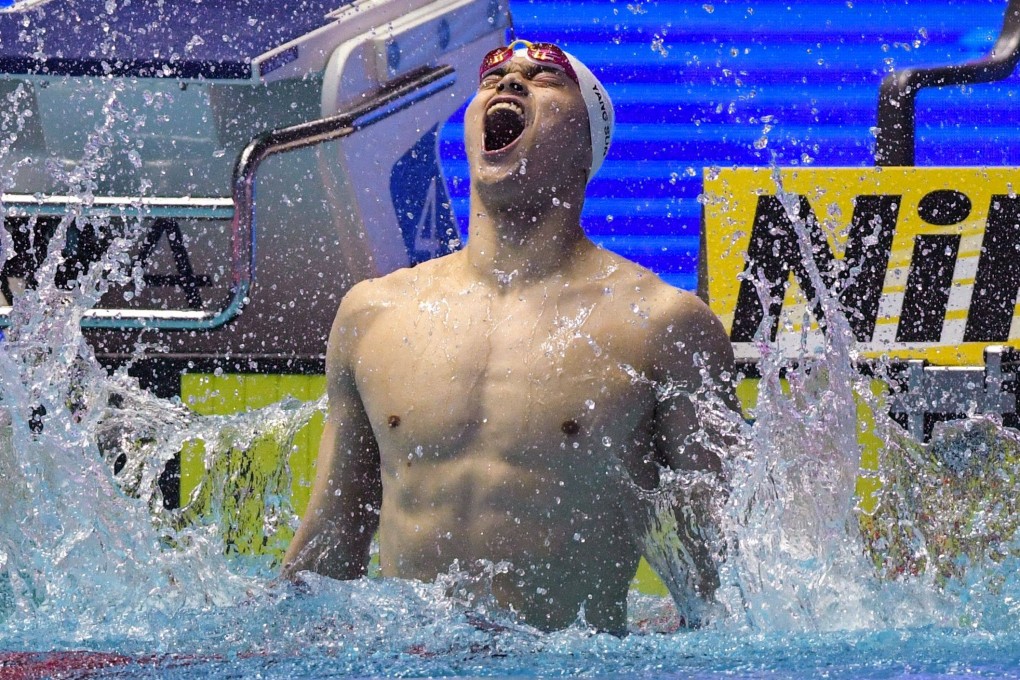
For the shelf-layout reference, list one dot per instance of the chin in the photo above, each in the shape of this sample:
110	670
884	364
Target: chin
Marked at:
504	173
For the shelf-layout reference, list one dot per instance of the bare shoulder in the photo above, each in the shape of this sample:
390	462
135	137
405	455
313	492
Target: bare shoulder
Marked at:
679	324
682	316
367	298
667	308
371	299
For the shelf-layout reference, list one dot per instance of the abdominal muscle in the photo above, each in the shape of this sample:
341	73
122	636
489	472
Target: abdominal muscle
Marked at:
560	527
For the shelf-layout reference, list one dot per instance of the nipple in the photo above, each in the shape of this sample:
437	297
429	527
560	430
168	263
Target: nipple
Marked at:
570	427
393	421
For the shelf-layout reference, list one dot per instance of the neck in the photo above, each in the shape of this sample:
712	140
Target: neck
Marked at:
526	243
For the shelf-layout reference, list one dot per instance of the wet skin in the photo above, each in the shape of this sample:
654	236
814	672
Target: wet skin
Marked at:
500	403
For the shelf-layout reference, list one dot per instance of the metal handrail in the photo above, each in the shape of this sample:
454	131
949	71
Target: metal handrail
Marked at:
24	205
897	95
405	92
954	390
392	99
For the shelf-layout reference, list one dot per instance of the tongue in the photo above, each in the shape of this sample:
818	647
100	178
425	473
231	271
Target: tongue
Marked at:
502	127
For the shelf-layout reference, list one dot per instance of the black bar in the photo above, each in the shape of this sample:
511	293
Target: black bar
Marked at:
928	285
894	145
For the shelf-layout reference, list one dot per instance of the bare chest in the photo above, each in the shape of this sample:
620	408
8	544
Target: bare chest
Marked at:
443	379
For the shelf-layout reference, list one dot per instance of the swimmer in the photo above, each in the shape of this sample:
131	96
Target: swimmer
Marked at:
500	403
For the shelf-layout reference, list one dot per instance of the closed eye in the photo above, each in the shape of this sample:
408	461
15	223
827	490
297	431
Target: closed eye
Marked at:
549	76
490	80
543	74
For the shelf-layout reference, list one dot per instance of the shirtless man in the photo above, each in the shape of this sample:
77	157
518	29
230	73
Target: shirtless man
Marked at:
501	402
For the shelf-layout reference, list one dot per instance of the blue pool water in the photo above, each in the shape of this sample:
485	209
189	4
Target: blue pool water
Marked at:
92	569
365	630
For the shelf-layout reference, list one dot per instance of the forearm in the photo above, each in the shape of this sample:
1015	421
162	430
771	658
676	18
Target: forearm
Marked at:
333	543
695	534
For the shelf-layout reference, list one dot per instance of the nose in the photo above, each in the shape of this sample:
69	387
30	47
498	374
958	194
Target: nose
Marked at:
511	82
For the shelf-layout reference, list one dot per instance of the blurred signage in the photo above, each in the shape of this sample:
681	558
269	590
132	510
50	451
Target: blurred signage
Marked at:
176	264
925	262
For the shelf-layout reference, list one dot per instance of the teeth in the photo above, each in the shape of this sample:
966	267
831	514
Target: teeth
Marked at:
510	106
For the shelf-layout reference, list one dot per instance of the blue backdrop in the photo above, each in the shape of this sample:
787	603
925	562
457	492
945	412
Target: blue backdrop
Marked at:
700	85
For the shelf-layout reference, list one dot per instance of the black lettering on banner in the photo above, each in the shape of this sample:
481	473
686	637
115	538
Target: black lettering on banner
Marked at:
944	207
774	253
928	284
185	279
998	274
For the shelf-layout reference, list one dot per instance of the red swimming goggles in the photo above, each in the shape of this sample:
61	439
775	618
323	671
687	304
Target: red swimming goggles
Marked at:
543	54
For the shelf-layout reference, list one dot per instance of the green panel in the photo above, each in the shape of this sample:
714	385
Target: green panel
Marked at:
246	472
647	581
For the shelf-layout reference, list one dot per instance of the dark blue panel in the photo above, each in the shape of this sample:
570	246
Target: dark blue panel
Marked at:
421	202
146	38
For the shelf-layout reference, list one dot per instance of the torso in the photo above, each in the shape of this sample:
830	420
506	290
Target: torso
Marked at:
510	425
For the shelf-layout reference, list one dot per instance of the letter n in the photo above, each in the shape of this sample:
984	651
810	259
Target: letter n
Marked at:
773	252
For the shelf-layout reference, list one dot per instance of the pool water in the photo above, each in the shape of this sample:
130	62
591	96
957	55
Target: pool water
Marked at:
93	563
365	630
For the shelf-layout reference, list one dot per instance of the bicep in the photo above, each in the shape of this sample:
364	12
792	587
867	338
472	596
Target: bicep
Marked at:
695	372
343	510
682	440
347	468
348	455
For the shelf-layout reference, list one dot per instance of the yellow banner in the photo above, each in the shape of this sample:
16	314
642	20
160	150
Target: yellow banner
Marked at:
924	261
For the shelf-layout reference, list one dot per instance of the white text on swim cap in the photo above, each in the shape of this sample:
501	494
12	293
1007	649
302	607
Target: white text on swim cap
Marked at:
605	117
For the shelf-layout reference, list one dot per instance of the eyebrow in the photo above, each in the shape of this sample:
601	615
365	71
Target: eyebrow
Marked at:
528	69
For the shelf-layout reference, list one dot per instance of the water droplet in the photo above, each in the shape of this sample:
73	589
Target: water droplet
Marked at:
659	46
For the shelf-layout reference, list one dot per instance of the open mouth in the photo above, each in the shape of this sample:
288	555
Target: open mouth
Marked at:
504	123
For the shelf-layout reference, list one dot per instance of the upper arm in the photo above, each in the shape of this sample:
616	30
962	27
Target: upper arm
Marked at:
349	455
694	369
342	513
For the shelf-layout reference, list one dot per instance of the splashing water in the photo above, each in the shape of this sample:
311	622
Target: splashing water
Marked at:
92	560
